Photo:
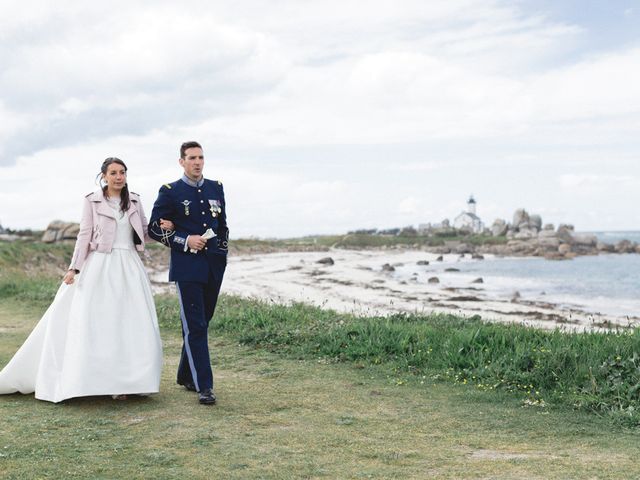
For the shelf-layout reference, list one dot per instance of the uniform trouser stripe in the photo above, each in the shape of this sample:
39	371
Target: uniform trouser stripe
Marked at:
187	346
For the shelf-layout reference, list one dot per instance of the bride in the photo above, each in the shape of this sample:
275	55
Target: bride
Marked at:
100	335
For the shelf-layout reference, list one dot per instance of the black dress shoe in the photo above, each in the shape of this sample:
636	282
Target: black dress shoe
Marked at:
189	386
206	397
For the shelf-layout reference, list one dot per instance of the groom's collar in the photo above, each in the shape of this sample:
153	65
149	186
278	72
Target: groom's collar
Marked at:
191	183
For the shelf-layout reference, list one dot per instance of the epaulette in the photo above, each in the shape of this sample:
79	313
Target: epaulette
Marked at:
219	182
167	185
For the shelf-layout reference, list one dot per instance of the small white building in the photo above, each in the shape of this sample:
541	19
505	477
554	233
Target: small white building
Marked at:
469	220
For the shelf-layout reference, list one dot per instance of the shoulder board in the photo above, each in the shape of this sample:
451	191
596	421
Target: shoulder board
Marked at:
167	185
219	182
88	194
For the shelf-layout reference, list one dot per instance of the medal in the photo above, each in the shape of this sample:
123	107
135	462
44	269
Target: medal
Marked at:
215	208
186	204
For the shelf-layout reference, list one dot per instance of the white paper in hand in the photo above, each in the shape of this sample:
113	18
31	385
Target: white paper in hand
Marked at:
206	235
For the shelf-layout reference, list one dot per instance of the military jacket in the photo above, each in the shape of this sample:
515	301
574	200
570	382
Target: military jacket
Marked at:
193	210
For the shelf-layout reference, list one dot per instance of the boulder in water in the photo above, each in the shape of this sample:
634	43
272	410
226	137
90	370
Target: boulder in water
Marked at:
326	261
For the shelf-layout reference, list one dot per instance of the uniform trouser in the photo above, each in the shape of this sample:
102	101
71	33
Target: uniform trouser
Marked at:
197	304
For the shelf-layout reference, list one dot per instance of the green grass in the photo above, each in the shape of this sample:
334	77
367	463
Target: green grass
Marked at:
33	257
360	241
309	393
368	241
282	416
596	372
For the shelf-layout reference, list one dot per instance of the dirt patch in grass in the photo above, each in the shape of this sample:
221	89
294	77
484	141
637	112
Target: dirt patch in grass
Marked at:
497	455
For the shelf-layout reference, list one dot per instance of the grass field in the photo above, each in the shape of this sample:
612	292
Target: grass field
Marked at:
361	241
30	252
309	393
281	417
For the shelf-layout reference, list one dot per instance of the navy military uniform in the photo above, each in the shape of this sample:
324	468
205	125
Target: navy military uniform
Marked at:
194	207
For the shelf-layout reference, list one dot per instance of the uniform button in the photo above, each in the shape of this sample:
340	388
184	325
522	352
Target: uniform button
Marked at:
203	213
201	201
204	224
199	190
206	248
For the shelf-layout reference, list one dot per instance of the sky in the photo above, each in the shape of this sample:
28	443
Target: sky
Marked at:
327	116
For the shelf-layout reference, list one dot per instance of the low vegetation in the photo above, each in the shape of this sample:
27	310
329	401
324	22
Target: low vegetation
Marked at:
30	249
371	241
595	372
310	393
279	417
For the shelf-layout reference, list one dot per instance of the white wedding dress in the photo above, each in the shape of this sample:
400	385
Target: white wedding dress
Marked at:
99	336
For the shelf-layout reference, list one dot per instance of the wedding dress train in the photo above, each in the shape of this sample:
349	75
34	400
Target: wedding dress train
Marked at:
99	336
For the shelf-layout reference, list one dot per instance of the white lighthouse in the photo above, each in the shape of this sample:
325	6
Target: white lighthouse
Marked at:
469	220
471	205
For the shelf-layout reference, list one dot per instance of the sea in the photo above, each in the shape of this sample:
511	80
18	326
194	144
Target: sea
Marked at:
606	284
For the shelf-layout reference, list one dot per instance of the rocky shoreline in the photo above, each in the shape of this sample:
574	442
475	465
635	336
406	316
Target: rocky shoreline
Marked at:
562	244
364	283
525	236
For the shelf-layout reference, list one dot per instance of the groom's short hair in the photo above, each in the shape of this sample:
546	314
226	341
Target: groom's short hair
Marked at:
186	146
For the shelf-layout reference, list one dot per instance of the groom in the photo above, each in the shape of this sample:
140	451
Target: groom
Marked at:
194	205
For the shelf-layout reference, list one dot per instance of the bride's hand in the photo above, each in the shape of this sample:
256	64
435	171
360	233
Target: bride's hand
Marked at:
69	277
166	224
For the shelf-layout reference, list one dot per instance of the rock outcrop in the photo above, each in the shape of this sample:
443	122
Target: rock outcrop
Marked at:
527	235
499	228
326	261
625	246
58	231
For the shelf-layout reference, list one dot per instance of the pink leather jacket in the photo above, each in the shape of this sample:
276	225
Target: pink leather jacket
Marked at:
98	227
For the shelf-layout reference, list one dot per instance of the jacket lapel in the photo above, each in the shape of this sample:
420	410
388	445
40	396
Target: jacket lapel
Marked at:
102	208
133	206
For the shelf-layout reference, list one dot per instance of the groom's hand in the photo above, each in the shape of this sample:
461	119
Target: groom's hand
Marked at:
196	242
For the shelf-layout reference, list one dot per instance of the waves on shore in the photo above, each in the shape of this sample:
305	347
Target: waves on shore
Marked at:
608	284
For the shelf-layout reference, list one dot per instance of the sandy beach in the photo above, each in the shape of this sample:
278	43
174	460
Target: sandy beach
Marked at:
356	283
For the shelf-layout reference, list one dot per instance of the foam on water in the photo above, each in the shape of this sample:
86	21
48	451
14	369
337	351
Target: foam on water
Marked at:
607	284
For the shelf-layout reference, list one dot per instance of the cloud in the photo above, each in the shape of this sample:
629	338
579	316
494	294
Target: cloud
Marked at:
314	103
410	205
586	181
132	71
598	88
425	166
301	74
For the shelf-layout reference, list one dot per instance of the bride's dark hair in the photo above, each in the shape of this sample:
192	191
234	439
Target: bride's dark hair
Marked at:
124	193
